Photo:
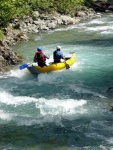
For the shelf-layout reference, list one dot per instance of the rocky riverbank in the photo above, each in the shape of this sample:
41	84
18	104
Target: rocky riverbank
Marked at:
18	30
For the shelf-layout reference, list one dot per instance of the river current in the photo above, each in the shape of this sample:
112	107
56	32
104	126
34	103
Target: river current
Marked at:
67	109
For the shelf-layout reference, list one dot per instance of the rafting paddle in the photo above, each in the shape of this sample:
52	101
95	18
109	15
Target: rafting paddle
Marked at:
23	66
67	65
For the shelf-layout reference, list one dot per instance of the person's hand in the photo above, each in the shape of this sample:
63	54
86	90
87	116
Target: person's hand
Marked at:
47	56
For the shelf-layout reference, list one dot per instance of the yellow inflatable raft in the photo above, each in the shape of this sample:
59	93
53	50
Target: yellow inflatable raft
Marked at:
35	69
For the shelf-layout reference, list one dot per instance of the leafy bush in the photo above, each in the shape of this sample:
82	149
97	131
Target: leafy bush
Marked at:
10	9
1	35
7	11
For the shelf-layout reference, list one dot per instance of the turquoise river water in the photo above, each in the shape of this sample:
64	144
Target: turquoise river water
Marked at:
67	109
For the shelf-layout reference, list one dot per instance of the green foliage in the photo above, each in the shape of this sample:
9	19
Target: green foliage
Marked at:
9	9
22	7
67	6
104	1
1	35
43	5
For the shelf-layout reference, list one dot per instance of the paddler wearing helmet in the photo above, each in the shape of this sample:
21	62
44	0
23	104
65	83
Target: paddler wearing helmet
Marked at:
58	55
40	58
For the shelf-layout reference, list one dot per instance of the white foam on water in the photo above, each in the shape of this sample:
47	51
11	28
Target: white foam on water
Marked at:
67	28
3	76
99	28
77	66
68	104
62	107
5	115
110	140
51	110
107	32
38	38
103	147
9	99
81	25
96	21
15	73
18	73
54	110
48	77
85	91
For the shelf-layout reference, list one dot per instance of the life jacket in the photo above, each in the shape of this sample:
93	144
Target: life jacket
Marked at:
39	56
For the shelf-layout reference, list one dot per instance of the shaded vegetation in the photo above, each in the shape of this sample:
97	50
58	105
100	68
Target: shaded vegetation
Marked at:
9	9
1	35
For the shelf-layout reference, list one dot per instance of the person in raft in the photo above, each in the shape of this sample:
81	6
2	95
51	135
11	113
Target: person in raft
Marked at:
58	55
40	58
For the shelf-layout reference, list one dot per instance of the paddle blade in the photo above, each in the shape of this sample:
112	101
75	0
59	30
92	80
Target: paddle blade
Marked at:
67	66
23	66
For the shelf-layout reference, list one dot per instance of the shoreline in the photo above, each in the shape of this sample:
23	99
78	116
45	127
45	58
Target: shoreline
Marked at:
18	30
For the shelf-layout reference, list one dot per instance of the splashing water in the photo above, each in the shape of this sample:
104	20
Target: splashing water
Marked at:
67	109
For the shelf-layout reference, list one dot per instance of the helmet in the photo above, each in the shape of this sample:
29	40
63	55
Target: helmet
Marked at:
39	49
58	47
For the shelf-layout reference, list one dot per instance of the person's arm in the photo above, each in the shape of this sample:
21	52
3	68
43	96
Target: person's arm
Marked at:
62	56
47	56
34	59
